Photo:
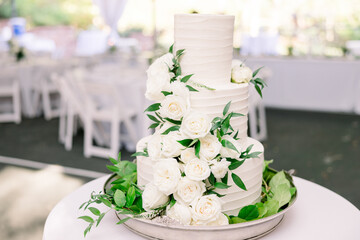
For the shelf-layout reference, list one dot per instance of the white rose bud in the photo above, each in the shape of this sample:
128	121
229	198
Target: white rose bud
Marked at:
236	63
230	153
166	175
209	147
180	213
222	220
189	190
197	169
206	209
219	169
241	74
173	107
187	155
170	146
195	125
152	198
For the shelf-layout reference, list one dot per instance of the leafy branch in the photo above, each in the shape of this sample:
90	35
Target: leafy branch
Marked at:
258	82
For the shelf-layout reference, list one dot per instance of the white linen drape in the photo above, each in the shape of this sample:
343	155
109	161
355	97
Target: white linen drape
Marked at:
111	11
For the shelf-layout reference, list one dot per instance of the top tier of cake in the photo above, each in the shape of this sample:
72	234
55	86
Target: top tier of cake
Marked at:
208	42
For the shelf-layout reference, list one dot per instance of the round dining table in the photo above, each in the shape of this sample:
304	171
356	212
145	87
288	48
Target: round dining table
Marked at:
318	213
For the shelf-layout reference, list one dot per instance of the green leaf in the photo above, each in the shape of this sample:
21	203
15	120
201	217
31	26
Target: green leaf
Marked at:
211	179
221	185
113	161
197	149
237	114
292	191
248	149
130	196
166	93
272	207
118	181
225	178
177	122
153	118
119	198
258	90
281	194
100	218
172	201
235	220
171	48
191	89
152	108
256	71
106	202
87	230
144	154
154	125
186	78
185	142
226	108
123	220
213	192
254	155
261	208
94	211
87	219
171	129
112	168
236	164
178	71
278	179
249	212
237	180
180	52
228	144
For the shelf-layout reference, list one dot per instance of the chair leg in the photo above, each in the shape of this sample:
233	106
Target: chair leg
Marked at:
16	103
45	95
88	129
62	121
69	129
115	137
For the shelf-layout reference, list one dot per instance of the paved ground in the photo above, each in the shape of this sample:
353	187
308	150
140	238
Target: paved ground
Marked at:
322	147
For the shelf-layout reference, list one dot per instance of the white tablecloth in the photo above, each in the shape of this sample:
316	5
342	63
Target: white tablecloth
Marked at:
318	213
311	84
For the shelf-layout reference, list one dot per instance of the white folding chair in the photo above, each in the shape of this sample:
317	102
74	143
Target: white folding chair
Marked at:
104	105
10	88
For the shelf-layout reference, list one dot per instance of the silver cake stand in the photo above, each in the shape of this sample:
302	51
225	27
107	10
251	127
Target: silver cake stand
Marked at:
248	230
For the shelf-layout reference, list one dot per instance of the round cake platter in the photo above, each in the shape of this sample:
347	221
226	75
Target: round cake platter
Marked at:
240	231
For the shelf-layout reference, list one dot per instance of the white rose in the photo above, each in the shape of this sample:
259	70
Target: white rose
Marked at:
197	169
209	147
236	63
154	147
230	153
166	175
189	190
206	209
195	125
156	84
219	169
173	107
159	78
170	147
152	198
222	220
180	213
187	155
179	89
241	74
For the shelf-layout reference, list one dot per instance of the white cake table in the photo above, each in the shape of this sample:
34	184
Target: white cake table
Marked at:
318	213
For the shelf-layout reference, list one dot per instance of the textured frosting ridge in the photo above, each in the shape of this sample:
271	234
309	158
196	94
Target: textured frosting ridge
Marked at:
208	41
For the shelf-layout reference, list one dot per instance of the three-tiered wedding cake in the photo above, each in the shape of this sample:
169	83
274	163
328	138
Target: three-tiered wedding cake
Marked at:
184	136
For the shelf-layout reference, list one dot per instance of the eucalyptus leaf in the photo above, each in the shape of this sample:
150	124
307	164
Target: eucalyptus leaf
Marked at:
191	89
256	71
87	219
236	164
177	122
123	220
94	211
197	149
153	118
185	142
211	179
171	129
100	218
154	125
171	48
186	78
106	202
228	144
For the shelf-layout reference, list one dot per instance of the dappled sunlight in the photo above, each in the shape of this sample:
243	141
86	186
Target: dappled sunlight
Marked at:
27	197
